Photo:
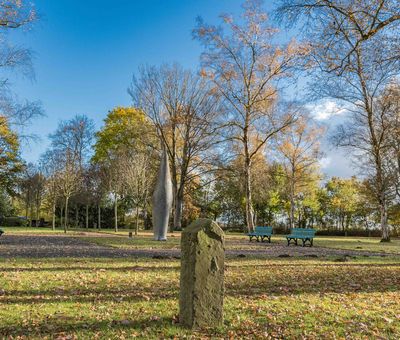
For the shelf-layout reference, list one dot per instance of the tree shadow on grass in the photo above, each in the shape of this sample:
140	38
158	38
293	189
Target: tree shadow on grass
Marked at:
89	295
313	264
306	280
89	268
60	325
289	280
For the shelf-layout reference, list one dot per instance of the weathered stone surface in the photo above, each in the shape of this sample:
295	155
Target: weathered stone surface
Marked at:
202	275
162	199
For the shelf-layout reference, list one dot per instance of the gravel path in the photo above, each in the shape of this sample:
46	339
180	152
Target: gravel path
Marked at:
50	246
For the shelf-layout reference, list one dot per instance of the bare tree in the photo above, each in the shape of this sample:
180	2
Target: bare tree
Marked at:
299	148
355	48
51	169
248	69
70	179
16	14
75	135
389	106
39	186
342	25
71	144
184	110
138	180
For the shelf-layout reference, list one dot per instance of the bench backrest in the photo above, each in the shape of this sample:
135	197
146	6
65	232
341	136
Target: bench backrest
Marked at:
303	232
265	230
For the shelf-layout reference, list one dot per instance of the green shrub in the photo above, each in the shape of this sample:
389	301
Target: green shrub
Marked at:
12	221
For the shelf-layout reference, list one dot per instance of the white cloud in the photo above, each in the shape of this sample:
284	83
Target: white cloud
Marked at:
325	109
325	162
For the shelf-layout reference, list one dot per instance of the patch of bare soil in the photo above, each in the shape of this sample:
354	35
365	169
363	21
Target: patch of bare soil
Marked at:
50	246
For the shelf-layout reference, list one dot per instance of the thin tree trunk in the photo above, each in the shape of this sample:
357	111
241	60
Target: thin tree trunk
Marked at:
292	189
178	212
61	216
137	220
87	216
54	216
249	200
76	216
27	208
37	214
66	215
384	224
99	217
291	211
173	226
30	216
116	212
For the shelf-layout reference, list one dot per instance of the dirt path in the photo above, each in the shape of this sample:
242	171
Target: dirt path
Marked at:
50	246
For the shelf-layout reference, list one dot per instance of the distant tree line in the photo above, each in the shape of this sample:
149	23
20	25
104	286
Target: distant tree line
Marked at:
240	150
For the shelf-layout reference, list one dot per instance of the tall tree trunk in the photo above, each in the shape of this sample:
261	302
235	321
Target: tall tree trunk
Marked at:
66	215
292	189
178	211
87	217
54	216
27	208
30	216
116	213
99	216
61	216
175	195
249	199
291	218
37	214
76	216
137	221
384	223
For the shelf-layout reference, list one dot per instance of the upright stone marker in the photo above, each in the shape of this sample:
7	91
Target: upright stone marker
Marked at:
162	199
202	275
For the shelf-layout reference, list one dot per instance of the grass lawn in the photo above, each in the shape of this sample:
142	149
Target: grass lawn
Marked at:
359	243
125	298
34	230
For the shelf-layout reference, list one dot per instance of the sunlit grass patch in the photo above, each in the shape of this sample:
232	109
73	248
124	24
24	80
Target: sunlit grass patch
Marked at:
88	298
372	244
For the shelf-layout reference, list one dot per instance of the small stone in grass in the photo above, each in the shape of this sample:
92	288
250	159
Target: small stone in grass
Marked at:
241	255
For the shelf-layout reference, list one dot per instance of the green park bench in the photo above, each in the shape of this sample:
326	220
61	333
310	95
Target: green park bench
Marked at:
303	234
261	233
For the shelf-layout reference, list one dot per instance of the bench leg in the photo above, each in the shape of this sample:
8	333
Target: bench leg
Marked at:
290	239
269	239
309	240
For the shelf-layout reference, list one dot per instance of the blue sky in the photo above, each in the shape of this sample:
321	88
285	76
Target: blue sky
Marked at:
87	51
